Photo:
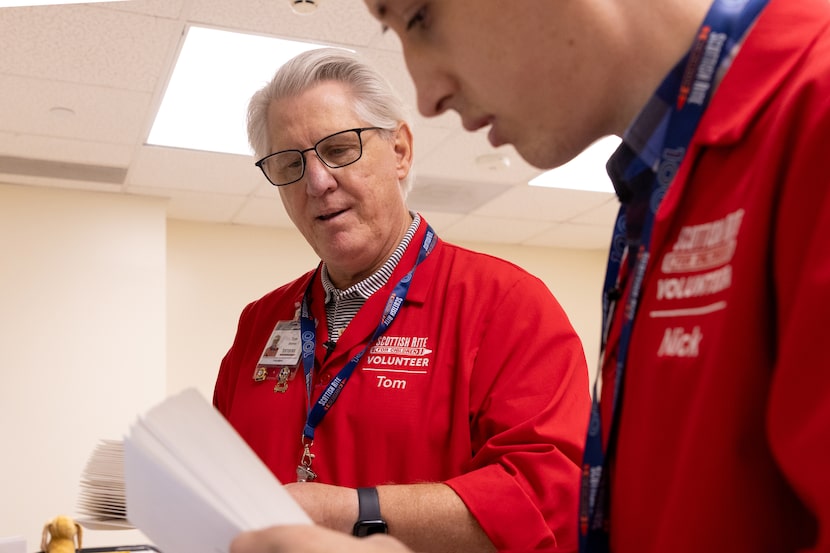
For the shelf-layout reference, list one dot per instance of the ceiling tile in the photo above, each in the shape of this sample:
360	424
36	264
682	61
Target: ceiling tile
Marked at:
195	206
340	22
263	189
542	204
87	44
452	196
604	214
427	139
157	167
573	236
455	158
65	149
440	221
263	212
170	9
88	113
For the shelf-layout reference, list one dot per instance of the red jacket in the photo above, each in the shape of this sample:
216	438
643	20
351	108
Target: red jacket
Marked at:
480	383
724	440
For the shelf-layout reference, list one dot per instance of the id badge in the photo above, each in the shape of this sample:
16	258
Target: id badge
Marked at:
282	350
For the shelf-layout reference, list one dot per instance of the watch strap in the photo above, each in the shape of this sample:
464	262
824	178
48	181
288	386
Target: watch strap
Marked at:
369	520
368	504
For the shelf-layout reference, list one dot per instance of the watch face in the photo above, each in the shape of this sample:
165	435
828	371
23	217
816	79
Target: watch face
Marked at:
365	528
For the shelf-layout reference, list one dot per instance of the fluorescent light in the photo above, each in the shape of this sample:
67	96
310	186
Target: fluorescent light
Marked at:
20	3
206	101
584	172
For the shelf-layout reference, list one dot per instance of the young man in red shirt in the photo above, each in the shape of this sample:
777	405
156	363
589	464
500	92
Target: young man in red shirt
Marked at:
713	425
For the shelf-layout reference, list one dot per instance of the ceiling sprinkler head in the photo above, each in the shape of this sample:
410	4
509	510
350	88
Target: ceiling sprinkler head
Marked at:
304	7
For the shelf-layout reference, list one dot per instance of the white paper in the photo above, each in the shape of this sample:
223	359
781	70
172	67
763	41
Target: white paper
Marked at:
192	483
101	503
13	544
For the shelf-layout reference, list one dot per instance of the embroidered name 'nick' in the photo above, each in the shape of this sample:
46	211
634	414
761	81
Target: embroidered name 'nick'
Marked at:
677	342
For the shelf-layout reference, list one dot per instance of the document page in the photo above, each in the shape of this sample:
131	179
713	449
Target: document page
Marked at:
192	483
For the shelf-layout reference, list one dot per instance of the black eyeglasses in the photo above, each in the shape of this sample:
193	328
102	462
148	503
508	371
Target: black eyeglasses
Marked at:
336	150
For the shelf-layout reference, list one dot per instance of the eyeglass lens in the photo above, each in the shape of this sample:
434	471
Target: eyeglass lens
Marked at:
335	151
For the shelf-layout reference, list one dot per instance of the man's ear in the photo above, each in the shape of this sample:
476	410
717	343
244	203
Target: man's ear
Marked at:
403	149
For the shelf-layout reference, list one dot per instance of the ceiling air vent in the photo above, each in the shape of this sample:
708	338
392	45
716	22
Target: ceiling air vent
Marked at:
61	170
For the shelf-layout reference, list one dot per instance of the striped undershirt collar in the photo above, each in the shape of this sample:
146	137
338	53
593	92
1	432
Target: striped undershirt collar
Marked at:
353	298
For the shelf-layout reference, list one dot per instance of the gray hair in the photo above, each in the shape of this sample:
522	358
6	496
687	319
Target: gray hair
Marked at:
375	101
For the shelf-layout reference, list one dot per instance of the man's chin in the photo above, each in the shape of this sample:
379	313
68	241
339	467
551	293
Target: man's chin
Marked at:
539	159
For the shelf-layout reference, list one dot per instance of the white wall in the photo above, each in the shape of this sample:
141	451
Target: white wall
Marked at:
105	307
213	272
82	340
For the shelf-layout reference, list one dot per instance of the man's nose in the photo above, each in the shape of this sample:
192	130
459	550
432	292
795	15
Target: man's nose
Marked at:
318	176
433	85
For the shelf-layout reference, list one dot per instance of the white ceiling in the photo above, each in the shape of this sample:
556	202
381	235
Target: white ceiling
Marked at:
80	85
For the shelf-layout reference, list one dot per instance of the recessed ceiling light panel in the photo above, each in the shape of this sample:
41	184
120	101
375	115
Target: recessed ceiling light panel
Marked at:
584	172
217	72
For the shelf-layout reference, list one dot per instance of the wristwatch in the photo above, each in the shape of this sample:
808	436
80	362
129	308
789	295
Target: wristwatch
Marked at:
368	519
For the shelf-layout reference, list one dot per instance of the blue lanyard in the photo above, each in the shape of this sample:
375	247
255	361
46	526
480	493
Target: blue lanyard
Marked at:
688	89
326	400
